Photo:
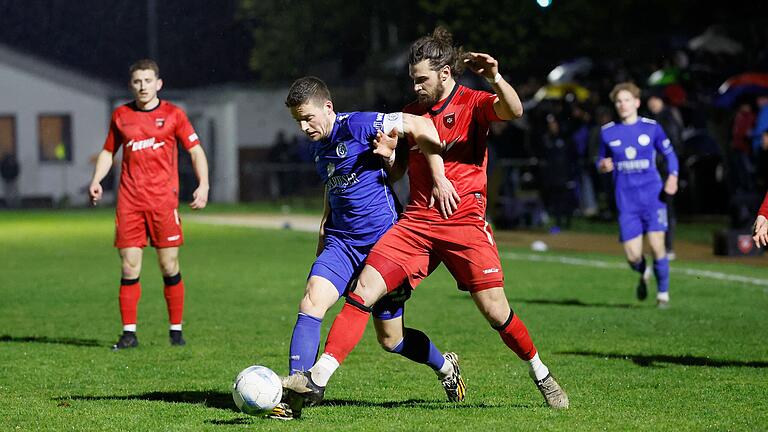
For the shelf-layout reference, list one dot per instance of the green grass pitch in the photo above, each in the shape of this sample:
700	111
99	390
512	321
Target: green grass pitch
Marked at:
701	365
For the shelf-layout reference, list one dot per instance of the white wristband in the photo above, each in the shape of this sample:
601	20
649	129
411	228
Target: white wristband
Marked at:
495	79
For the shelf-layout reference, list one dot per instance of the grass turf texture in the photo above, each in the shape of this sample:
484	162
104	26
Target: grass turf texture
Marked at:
701	365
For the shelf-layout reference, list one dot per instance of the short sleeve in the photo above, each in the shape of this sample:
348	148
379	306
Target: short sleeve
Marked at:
484	107
112	143
364	125
185	133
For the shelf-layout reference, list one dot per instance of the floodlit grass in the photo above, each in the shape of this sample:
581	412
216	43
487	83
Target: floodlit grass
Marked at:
701	365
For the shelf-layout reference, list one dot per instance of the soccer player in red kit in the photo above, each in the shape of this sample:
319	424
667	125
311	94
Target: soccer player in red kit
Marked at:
464	241
148	130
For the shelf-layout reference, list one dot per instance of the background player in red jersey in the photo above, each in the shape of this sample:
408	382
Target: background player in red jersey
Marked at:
464	241
148	129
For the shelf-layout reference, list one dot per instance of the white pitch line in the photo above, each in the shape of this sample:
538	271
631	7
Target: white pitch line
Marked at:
559	259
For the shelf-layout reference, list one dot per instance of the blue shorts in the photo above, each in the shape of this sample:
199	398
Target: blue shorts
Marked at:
639	222
341	264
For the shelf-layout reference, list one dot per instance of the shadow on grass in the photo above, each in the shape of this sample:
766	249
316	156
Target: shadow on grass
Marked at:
653	360
575	302
410	403
47	340
209	398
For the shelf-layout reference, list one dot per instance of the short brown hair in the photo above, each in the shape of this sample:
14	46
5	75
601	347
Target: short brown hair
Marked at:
628	86
305	89
145	64
439	50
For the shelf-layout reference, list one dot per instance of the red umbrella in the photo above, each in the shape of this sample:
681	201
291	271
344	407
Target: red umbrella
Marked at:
746	79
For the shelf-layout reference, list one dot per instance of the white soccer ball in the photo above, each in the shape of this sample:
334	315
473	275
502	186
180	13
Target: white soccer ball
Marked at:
257	390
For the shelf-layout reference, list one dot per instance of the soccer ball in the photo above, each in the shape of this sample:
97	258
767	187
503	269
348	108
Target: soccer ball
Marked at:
257	390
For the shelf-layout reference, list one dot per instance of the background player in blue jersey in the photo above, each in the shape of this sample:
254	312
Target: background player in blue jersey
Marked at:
628	149
359	209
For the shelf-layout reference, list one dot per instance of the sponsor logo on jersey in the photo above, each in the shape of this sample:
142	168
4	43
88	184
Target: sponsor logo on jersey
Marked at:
449	120
341	150
193	137
144	144
615	143
341	117
633	165
450	144
490	270
630	153
744	243
643	140
342	181
379	122
159	122
330	169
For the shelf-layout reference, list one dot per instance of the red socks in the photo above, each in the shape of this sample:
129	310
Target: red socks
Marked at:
174	297
516	337
347	328
130	292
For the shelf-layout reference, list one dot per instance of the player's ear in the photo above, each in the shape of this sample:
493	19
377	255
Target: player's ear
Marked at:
328	106
445	73
159	84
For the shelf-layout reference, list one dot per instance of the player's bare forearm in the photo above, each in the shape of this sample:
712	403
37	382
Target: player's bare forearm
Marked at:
103	164
323	219
508	105
200	165
424	133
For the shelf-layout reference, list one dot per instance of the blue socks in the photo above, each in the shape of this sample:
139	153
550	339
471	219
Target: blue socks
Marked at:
661	270
304	343
417	347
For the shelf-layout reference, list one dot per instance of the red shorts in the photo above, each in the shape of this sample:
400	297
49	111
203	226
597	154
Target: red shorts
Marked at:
464	243
163	227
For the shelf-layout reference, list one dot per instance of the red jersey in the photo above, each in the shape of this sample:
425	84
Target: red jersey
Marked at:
462	121
149	178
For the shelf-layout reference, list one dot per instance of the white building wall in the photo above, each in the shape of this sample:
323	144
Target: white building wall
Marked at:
26	96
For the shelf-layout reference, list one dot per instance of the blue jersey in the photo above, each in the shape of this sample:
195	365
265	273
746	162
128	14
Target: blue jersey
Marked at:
359	195
633	149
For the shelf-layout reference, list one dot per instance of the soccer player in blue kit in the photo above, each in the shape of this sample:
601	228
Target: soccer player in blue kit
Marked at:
628	149
359	209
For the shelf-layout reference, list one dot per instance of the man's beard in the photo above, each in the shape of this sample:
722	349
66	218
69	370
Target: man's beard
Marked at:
430	99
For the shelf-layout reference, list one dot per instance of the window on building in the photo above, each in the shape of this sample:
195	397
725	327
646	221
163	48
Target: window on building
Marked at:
7	135
55	131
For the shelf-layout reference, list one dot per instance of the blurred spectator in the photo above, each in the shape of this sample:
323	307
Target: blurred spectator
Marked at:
603	182
581	127
9	171
556	177
671	122
741	170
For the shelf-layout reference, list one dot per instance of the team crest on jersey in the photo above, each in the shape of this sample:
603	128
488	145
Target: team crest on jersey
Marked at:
330	169
630	153
159	122
341	150
643	140
449	120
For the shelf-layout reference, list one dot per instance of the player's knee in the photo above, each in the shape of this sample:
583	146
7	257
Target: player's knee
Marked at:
131	268
388	343
311	306
169	266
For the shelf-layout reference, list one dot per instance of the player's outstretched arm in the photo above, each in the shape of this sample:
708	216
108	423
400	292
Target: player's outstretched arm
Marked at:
103	164
423	131
385	145
200	165
321	234
508	105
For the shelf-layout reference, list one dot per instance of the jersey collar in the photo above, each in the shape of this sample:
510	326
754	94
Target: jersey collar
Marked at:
446	102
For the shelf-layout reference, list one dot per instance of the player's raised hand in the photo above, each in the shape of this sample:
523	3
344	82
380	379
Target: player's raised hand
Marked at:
605	165
760	231
444	195
670	186
200	198
482	64
384	144
95	191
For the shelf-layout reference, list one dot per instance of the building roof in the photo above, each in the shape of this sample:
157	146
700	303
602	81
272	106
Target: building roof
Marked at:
57	73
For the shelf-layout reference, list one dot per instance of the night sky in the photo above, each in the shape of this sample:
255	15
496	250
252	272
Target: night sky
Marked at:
199	42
